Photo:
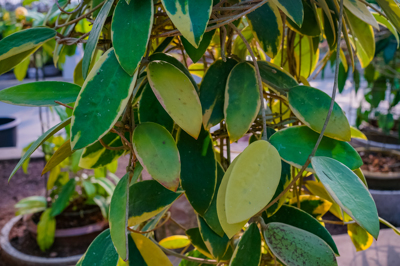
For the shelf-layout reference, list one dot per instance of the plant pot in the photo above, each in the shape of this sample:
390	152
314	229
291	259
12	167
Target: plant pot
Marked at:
15	257
8	131
384	188
376	138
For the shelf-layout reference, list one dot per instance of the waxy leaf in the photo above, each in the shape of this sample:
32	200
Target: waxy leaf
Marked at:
363	39
212	93
63	198
267	26
130	32
361	239
253	181
294	246
118	216
216	244
276	77
248	250
357	134
150	252
292	9
198	170
21	69
18	46
383	22
190	17
196	239
211	215
150	110
40	93
102	100
62	153
38	143
295	144
96	155
100	252
392	11
298	218
229	229
147	199
283	183
175	242
94	36
310	26
342	184
360	10
242	100
176	63
196	53
175	92
311	106
157	152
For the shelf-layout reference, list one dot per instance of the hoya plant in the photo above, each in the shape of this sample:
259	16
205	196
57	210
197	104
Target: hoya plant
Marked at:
252	60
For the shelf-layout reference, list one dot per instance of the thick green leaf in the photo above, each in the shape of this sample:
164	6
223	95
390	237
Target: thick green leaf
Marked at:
16	47
295	144
100	252
38	143
360	10
253	181
131	21
283	183
361	239
157	152
21	69
311	106
199	169
146	199
150	110
195	237
212	93
343	74
175	92
292	9
96	155
63	198
229	229
196	53
193	253
190	17
40	93
58	157
211	215
298	218
94	36
46	230
267	26
240	114
149	251
176	63
275	77
118	218
295	247
216	244
363	39
310	26
392	11
342	184
100	108
248	250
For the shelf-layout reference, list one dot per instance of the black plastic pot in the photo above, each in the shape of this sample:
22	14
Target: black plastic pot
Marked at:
8	131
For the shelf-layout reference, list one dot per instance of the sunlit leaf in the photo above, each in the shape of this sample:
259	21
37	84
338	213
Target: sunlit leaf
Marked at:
292	9
62	153
360	10
175	242
361	239
150	252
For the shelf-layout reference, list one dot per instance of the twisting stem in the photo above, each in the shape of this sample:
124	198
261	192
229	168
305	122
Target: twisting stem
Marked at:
259	80
152	230
326	120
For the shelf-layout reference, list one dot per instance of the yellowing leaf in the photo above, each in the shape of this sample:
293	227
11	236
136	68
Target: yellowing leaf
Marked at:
357	134
177	95
175	242
152	255
253	181
360	10
361	239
